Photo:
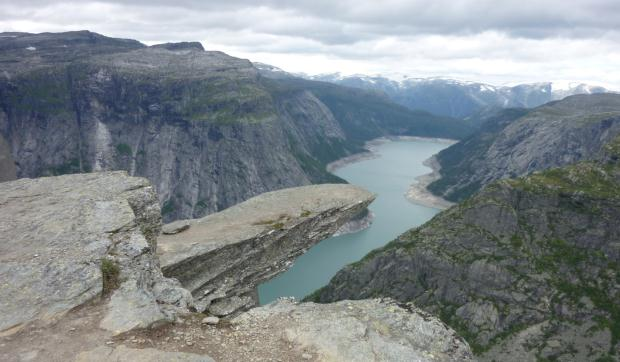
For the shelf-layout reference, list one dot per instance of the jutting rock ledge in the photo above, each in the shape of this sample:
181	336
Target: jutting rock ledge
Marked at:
222	257
80	277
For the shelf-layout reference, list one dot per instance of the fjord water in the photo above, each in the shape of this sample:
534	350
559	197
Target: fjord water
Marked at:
388	176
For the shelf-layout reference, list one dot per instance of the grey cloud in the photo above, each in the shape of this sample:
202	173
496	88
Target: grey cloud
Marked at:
500	39
348	21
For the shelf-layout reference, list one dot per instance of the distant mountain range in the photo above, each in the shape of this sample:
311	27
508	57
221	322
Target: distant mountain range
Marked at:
450	97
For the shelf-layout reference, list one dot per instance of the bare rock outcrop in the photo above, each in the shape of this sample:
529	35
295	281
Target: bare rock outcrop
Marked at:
124	354
517	142
527	269
81	280
67	240
222	257
362	330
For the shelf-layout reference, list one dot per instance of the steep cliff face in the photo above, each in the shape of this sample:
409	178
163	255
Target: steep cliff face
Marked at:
517	142
222	257
66	241
526	269
80	279
205	128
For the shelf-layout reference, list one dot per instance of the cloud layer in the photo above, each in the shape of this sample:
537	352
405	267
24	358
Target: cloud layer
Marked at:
499	42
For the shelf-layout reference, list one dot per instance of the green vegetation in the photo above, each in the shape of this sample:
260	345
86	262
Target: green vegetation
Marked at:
607	358
516	241
168	207
44	92
110	273
277	224
612	150
314	296
589	178
447	315
69	167
218	100
123	149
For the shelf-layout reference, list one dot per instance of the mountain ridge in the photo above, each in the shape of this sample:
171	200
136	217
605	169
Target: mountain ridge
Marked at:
526	269
517	142
207	129
447	96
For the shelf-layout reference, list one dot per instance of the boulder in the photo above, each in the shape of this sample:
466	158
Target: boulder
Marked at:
362	330
69	239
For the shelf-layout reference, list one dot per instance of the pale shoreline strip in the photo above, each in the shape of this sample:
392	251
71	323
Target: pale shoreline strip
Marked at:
417	193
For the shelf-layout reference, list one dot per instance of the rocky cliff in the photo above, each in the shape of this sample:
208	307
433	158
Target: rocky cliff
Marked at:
525	270
80	279
65	241
517	142
205	128
222	257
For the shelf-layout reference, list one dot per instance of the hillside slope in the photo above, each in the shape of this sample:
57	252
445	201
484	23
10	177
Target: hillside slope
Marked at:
205	128
525	270
517	142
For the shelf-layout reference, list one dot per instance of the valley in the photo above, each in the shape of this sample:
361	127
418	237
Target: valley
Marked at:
163	201
395	165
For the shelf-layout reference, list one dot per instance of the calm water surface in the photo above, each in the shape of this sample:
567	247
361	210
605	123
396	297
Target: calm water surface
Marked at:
389	176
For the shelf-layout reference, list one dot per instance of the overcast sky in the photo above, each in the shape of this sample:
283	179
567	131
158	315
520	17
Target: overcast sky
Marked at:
494	41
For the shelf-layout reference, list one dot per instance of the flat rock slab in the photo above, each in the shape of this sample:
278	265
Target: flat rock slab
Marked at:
221	258
268	211
175	227
124	354
363	330
54	231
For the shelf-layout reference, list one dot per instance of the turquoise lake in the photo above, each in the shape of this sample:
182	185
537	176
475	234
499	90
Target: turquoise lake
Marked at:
388	176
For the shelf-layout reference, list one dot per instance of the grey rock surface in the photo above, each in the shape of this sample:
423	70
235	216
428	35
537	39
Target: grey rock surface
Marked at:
7	165
357	223
85	219
368	330
205	128
222	257
125	354
527	269
199	125
175	227
131	307
518	142
210	320
56	231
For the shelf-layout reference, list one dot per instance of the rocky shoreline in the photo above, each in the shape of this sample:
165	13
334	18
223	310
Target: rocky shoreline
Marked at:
356	224
418	194
371	150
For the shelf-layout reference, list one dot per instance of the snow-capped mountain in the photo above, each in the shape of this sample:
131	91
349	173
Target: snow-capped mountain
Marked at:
456	98
445	96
